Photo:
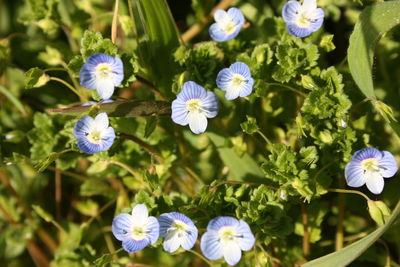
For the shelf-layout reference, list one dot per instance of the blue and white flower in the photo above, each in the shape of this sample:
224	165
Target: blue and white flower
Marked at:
302	19
136	231
235	80
177	230
94	135
102	72
226	237
227	25
193	106
369	166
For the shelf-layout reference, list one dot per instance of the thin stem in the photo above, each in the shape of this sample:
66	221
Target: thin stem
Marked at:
339	228
264	137
128	169
66	84
347	191
58	193
107	205
288	87
306	233
54	69
200	256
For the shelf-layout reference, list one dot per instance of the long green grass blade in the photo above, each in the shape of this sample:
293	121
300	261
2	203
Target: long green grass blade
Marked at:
158	38
348	254
373	22
13	99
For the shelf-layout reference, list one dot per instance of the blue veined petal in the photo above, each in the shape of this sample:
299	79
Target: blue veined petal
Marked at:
318	19
154	229
118	71
290	11
101	121
122	226
131	245
87	147
197	122
247	240
82	126
211	246
224	79
247	88
96	59
191	90
354	174
190	239
367	153
165	222
210	104
232	252
241	68
140	214
389	164
218	34
221	221
107	138
237	16
297	31
179	112
374	181
105	87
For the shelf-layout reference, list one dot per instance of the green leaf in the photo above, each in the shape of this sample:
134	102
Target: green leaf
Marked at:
240	168
158	38
35	77
379	211
13	99
151	123
250	126
373	22
122	108
346	255
42	213
93	42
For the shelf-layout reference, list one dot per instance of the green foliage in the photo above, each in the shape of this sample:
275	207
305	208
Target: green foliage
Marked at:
250	126
35	77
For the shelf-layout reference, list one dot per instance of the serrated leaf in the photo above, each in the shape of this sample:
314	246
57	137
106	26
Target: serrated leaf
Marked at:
250	126
93	42
35	77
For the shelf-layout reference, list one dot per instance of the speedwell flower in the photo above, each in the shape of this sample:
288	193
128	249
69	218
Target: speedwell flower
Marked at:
226	237
94	135
102	72
302	19
369	166
227	25
193	106
178	230
136	231
235	80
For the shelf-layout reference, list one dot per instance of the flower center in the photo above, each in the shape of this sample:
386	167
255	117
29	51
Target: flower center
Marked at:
139	232
227	234
94	137
103	70
238	80
303	20
370	164
228	26
179	228
193	105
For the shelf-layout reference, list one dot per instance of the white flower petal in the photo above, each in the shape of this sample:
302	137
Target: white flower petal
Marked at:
232	252
172	243
101	121
309	5
211	246
374	181
354	174
140	214
388	164
105	87
197	122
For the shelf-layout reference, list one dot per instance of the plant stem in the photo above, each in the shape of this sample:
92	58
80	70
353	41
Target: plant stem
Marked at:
347	191
306	233
288	87
114	25
264	137
66	84
200	256
339	228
